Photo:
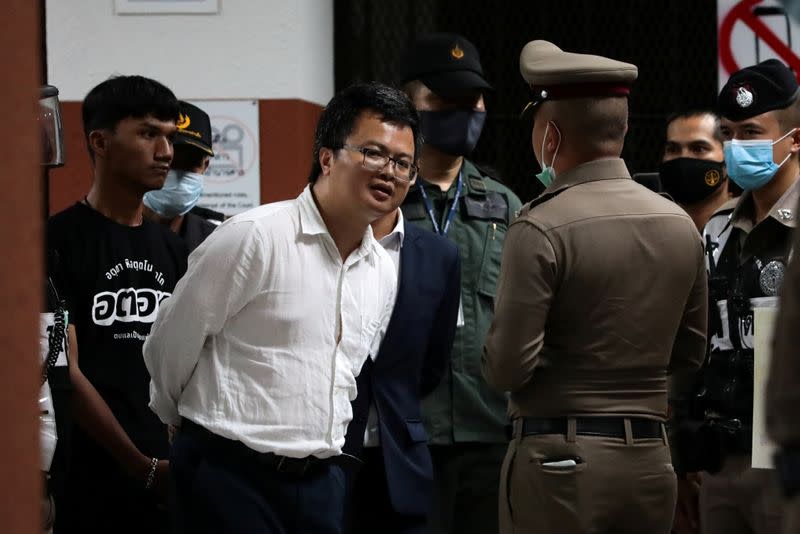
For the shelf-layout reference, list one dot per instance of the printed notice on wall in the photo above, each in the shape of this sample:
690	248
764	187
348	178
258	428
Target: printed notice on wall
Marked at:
763	447
233	179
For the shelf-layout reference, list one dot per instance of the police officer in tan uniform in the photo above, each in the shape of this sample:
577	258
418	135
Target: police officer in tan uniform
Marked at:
783	393
747	247
602	294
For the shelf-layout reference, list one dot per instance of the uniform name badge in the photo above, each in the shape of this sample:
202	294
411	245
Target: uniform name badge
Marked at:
47	419
460	319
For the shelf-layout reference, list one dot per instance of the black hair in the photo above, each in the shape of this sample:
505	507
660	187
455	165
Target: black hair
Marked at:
121	97
188	157
697	113
339	117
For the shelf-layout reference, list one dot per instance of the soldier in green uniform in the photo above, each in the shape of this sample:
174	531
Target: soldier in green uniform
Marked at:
443	76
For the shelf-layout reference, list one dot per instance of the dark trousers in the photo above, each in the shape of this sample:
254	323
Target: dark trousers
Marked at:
100	499
217	493
466	478
369	509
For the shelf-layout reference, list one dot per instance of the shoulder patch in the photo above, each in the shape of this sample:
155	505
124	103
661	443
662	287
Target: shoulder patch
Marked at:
493	206
477	185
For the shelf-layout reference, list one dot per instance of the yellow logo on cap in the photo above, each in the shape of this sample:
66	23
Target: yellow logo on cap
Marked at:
457	52
712	178
183	121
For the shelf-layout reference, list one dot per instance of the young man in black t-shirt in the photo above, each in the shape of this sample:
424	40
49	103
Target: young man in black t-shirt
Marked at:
114	270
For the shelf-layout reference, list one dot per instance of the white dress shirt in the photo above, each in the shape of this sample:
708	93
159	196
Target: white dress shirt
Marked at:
263	337
392	243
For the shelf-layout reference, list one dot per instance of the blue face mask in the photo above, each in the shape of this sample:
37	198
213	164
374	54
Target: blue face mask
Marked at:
548	173
180	193
750	164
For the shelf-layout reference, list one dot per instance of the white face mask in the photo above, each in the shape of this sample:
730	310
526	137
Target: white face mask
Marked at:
180	193
548	173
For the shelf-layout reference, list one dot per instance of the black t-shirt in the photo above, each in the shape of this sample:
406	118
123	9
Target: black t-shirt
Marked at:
113	278
195	229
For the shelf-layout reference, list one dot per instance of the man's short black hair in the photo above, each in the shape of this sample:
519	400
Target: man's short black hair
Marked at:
697	113
339	117
121	97
188	157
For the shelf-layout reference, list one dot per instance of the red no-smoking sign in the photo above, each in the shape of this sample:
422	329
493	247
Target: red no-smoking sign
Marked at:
754	14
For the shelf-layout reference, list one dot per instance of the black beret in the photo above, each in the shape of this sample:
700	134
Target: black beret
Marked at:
768	86
446	63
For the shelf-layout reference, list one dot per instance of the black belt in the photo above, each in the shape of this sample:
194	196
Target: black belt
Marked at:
609	427
280	464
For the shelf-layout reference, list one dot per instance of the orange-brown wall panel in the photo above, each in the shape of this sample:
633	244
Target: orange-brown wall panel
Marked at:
287	136
286	132
21	227
71	182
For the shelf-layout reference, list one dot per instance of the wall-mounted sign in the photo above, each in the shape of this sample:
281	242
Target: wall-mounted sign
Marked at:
233	179
751	31
164	7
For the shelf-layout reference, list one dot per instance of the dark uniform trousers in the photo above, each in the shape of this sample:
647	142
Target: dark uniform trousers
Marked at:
617	486
466	479
791	516
740	499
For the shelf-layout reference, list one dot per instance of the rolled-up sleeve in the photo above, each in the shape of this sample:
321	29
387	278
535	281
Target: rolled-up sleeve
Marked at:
525	292
224	274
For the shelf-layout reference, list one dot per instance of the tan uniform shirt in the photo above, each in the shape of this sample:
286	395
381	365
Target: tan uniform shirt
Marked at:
602	293
783	388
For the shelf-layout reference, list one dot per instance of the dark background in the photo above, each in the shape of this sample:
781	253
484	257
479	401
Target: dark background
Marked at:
673	42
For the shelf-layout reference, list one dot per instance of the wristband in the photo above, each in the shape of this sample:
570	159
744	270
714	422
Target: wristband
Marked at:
151	475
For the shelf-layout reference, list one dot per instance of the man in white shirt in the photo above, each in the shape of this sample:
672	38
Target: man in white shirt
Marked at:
255	354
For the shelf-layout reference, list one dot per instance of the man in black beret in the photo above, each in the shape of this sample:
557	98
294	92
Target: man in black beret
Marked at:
747	248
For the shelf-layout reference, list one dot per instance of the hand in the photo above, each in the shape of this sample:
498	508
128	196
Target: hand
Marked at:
687	511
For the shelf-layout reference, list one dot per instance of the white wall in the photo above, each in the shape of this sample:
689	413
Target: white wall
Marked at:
249	49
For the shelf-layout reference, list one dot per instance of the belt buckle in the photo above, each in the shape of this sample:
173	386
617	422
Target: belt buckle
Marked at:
286	465
282	466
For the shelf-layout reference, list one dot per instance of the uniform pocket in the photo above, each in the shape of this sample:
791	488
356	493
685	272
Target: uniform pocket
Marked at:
549	498
490	261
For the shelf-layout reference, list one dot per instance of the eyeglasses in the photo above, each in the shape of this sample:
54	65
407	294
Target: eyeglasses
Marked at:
375	160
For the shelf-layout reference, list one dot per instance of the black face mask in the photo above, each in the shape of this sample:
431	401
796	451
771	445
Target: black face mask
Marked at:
453	131
690	180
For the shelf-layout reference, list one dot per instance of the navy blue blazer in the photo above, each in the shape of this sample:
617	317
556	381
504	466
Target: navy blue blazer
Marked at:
413	357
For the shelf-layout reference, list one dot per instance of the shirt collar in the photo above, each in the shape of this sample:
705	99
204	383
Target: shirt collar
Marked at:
601	169
311	222
397	234
783	211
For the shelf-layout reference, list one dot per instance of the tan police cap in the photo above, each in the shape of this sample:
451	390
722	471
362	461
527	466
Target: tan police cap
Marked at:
554	74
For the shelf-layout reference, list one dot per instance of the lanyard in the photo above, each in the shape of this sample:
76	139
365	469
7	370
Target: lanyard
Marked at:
453	207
